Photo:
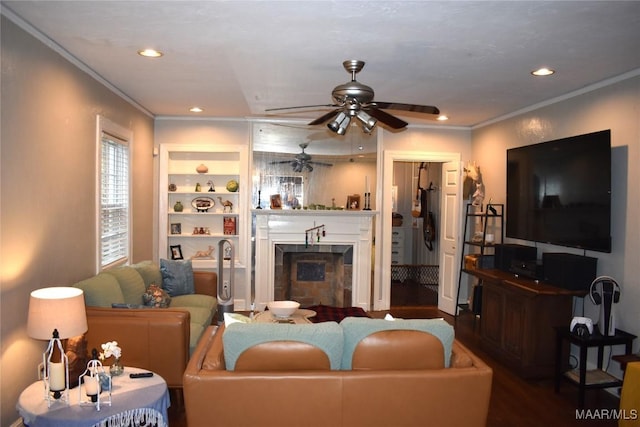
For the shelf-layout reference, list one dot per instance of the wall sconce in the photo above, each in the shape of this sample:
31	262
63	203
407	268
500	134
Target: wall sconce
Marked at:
61	310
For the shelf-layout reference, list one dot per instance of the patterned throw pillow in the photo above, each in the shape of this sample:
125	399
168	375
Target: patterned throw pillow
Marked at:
177	277
156	297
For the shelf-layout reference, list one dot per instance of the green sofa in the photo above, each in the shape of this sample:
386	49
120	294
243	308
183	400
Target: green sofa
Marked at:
157	339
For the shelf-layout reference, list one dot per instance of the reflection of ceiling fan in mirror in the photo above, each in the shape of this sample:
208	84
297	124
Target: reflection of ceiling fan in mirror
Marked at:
354	99
302	161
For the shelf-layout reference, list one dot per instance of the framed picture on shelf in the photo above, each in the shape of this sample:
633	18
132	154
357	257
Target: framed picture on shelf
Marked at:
176	228
276	201
353	202
176	252
229	225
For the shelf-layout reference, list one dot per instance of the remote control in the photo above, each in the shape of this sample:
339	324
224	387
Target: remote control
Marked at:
141	375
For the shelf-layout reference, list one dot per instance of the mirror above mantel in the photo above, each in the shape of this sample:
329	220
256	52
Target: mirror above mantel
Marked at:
311	166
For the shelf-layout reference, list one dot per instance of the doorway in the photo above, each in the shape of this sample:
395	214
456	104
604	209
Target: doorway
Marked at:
415	248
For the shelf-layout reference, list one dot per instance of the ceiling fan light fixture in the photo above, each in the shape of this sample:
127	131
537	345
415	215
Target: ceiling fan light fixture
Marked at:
368	122
340	123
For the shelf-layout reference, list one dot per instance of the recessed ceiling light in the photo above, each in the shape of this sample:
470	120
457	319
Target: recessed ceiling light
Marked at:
543	72
442	117
196	110
150	53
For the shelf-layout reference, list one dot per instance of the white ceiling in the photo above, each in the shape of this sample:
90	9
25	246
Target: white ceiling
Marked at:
238	58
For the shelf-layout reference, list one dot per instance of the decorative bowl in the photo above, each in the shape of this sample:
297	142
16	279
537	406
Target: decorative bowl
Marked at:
283	309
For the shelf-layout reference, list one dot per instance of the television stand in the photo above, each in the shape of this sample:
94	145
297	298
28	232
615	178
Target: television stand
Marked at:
517	321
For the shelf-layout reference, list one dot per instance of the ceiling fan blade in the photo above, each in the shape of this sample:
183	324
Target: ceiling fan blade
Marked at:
386	118
320	120
282	162
301	106
321	163
427	109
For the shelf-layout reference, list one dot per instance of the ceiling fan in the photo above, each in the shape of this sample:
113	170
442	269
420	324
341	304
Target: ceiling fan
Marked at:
302	161
354	99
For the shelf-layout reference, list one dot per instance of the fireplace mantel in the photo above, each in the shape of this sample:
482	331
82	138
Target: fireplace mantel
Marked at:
288	227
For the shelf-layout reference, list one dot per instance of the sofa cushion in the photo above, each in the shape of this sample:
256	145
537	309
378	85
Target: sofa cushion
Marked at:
357	328
195	332
398	349
156	297
195	300
327	336
101	290
177	277
131	283
150	273
199	315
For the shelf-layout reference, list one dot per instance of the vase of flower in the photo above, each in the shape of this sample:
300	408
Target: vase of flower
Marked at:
112	349
116	368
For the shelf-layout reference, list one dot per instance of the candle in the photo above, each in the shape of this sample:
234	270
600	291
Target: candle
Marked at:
57	377
366	183
91	386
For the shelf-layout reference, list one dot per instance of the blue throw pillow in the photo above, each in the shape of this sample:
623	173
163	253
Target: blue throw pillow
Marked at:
177	277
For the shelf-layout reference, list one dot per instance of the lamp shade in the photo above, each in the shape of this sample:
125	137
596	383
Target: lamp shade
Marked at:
60	308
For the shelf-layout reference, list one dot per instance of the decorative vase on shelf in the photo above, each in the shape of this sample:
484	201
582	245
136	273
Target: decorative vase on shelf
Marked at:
202	169
116	368
178	206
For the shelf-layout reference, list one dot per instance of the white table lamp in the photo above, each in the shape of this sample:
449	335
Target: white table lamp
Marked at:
55	314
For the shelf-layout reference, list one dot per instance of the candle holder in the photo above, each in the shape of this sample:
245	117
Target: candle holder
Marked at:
259	201
94	382
367	202
56	374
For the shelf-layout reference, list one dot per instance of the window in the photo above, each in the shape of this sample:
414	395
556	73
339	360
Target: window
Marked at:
114	213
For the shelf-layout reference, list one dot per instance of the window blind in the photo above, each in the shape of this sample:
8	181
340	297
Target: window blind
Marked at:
114	200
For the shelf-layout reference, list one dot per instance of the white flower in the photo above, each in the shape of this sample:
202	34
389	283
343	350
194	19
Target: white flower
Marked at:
110	349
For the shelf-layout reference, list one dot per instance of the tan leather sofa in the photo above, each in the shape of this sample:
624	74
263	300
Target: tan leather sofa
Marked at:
156	339
397	379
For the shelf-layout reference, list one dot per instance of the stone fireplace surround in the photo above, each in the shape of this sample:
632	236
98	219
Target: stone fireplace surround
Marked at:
287	227
314	274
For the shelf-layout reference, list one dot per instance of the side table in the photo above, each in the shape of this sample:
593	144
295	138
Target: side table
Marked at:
588	379
132	400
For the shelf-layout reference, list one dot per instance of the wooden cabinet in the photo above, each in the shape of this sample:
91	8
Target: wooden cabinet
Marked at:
518	320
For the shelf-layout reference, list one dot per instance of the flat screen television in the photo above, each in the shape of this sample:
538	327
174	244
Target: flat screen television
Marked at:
559	192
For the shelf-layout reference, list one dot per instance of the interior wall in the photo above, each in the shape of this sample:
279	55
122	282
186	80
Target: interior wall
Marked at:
48	181
615	107
414	143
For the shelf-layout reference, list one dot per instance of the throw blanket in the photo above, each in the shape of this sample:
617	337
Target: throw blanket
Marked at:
238	337
327	313
356	329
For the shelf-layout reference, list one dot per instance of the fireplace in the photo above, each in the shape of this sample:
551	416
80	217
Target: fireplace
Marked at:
334	270
314	275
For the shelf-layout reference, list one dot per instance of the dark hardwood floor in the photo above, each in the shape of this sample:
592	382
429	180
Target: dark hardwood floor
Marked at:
514	401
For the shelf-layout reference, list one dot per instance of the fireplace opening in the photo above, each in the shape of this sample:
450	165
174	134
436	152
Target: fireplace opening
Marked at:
311	271
314	275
